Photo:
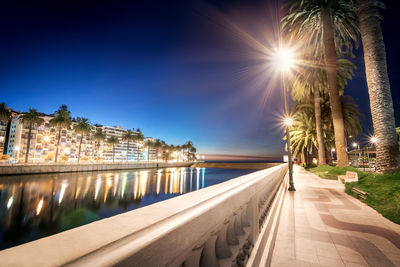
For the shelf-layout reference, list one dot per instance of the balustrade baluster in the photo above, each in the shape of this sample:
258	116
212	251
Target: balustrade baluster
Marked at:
222	246
208	257
193	259
238	223
230	234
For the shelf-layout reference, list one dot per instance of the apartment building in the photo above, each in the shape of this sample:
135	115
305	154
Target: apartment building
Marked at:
44	142
134	152
3	134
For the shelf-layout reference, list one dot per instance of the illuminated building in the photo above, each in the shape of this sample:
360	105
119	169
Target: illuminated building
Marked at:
44	141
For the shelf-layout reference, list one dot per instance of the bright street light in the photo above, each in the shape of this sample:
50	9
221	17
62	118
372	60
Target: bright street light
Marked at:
283	59
288	121
374	140
354	144
46	138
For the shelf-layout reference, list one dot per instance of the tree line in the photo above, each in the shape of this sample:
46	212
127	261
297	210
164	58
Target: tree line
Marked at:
62	120
324	116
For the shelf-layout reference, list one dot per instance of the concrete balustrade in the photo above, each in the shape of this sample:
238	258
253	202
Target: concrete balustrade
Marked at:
216	226
84	167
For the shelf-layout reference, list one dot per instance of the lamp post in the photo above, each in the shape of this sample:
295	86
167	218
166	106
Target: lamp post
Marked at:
288	122
283	61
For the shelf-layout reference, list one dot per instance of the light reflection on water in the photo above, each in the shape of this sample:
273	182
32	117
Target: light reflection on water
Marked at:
35	206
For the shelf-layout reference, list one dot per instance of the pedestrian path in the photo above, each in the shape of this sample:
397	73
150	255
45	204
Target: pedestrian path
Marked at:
320	225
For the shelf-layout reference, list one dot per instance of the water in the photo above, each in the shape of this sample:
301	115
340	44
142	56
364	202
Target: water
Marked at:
35	206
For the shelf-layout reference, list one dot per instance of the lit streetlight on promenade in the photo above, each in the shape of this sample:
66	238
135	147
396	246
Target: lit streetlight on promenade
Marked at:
283	61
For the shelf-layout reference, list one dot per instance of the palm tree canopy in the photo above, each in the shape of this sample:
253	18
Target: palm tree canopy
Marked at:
303	22
128	136
308	79
5	113
32	117
82	126
138	136
98	135
112	141
62	118
149	143
303	133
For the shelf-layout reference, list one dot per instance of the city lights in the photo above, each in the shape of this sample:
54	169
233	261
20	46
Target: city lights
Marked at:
46	138
39	207
10	202
355	145
374	140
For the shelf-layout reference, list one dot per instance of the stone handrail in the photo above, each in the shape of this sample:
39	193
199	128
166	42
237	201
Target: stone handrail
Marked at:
215	226
17	169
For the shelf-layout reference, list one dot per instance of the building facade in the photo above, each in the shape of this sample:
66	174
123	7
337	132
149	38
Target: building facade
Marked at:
43	142
44	138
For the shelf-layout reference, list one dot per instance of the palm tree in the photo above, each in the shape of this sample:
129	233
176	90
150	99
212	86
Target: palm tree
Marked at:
61	120
387	150
30	118
307	86
328	26
5	113
138	138
98	136
81	127
128	136
5	118
113	141
149	144
303	132
188	145
192	152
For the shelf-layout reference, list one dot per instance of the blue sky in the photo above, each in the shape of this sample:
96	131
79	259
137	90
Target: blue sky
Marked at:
177	70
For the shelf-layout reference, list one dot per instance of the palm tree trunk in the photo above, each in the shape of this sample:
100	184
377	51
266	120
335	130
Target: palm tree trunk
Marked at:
318	126
336	107
387	150
58	144
29	143
127	151
79	152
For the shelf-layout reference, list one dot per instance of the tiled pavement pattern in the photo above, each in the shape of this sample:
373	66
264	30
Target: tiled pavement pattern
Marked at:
320	225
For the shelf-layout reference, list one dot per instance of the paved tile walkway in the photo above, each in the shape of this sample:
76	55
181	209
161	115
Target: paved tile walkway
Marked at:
320	225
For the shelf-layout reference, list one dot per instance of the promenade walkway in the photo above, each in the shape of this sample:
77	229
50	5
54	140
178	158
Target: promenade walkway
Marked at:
320	225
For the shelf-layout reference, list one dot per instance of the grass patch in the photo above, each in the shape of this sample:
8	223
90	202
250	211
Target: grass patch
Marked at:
383	190
383	193
332	172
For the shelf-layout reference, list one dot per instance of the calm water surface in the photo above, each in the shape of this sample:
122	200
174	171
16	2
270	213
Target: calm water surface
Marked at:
34	206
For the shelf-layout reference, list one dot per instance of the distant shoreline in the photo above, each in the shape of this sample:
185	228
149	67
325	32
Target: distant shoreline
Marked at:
236	165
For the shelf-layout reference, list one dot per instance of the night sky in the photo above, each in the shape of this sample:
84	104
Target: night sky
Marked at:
179	70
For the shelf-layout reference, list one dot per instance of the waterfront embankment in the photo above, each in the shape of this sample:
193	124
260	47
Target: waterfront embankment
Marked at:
17	169
235	165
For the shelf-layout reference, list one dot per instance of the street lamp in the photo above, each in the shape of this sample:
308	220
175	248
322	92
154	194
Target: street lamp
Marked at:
283	61
374	140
